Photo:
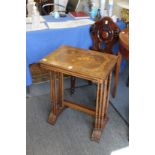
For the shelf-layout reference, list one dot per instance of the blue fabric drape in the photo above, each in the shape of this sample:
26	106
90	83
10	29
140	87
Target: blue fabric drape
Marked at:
42	42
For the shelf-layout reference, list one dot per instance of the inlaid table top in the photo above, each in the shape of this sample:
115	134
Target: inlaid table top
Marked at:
85	63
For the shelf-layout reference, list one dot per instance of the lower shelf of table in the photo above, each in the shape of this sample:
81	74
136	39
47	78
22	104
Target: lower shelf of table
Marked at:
96	133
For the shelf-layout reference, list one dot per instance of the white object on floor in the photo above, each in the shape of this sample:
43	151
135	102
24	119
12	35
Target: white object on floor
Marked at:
69	24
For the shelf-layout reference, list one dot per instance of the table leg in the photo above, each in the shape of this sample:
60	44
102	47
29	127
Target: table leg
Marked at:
103	105
56	97
108	94
117	74
100	106
73	79
60	90
102	102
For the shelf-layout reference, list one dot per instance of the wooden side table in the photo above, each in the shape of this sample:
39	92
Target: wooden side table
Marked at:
87	64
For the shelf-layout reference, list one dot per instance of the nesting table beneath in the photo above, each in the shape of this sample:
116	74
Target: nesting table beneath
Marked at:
87	64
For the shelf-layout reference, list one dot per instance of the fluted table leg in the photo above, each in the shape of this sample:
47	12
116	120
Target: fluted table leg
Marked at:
102	101
56	96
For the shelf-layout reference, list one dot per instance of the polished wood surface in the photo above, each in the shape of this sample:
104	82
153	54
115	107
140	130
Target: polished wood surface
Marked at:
104	31
124	42
38	74
84	62
124	38
90	65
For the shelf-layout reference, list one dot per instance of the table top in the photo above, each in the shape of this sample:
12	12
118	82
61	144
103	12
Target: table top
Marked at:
79	62
124	38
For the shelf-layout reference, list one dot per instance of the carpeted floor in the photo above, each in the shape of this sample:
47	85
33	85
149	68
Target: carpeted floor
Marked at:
71	133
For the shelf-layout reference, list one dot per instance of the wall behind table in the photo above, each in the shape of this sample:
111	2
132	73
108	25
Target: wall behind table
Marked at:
84	3
116	8
61	2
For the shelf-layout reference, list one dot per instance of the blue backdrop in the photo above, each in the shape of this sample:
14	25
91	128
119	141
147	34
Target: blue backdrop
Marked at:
42	42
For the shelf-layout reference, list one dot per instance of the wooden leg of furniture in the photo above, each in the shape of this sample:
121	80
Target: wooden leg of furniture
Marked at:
107	99
102	100
101	105
60	90
96	134
117	74
56	97
72	84
73	79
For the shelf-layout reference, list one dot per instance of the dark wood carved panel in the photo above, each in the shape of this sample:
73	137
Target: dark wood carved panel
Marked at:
104	31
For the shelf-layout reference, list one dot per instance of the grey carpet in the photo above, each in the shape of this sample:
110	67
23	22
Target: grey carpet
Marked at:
71	133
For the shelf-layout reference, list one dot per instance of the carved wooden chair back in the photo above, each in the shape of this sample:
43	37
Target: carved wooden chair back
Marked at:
104	32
